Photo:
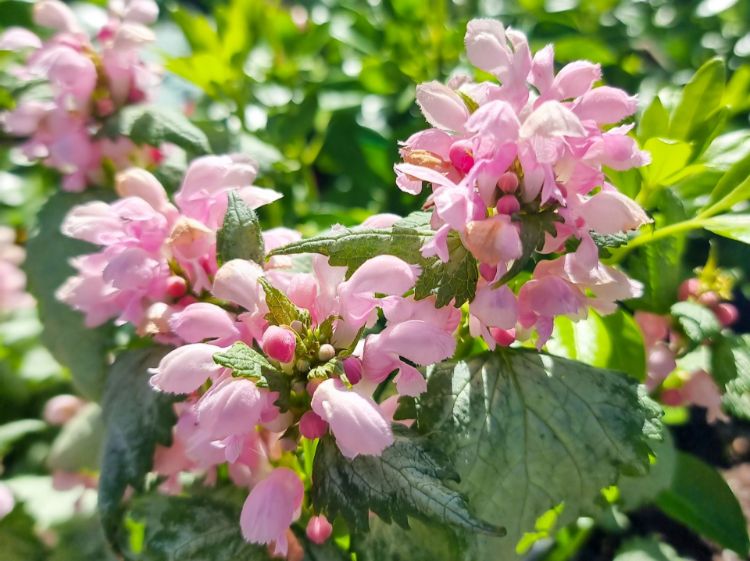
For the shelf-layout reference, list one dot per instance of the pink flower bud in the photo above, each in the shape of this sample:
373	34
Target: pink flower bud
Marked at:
488	272
312	426
503	337
709	299
279	343
508	182
727	313
319	529
461	156
176	286
689	288
61	408
508	204
353	369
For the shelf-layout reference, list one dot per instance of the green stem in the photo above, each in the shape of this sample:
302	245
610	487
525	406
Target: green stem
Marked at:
655	235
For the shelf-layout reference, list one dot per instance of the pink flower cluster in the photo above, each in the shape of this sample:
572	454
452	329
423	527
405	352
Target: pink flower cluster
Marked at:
13	293
663	345
157	257
89	80
222	423
536	142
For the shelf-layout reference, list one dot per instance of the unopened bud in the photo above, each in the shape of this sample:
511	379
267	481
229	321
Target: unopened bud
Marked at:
312	426
279	343
508	182
709	299
508	204
302	365
689	288
503	337
353	369
297	326
488	272
176	286
319	529
727	313
326	352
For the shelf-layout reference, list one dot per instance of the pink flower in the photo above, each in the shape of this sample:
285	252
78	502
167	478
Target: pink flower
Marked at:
312	426
418	341
319	529
441	106
202	322
355	419
273	504
187	368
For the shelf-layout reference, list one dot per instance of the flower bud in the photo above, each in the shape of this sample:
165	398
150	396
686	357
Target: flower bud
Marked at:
302	365
488	272
508	182
727	313
176	286
319	529
689	288
709	299
508	204
353	369
503	337
279	343
297	326
461	156
7	502
312	426
326	352
61	408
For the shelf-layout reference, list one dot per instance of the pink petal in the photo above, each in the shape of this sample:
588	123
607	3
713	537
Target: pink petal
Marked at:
355	420
442	107
186	369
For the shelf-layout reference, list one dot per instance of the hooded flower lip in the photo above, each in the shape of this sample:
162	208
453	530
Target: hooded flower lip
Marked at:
354	419
186	368
273	504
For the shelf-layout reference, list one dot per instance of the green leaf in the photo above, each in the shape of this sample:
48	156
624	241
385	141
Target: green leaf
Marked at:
350	247
78	446
701	96
646	549
454	281
281	310
421	542
405	479
81	349
732	226
162	528
697	322
636	492
732	188
240	236
19	542
668	157
244	361
136	419
654	122
613	341
12	432
81	539
730	367
701	499
149	124
529	431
